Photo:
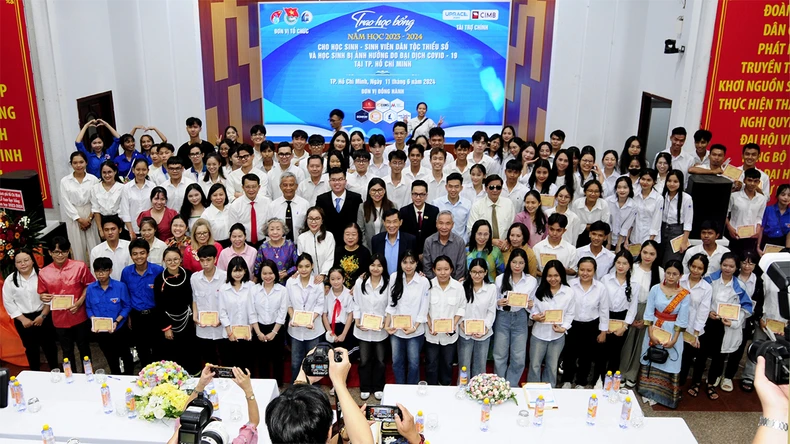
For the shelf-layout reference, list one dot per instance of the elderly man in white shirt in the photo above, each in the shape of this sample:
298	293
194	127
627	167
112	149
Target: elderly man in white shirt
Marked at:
289	207
284	155
498	211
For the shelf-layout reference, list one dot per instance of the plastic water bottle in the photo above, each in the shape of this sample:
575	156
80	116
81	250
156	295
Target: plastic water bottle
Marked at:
618	378
607	384
540	405
47	434
463	377
214	398
19	396
67	371
12	391
151	378
106	401
485	415
420	422
592	409
131	404
86	364
625	414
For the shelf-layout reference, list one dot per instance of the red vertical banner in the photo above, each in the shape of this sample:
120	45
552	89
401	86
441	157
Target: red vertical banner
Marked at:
747	99
21	147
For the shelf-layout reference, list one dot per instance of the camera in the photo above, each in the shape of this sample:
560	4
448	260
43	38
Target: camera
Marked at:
317	363
197	425
223	372
777	358
384	413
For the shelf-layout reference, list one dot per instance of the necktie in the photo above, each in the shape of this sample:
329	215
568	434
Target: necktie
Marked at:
289	222
337	204
335	313
419	221
253	224
494	223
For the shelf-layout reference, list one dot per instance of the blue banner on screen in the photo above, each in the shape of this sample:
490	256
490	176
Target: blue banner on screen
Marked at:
377	61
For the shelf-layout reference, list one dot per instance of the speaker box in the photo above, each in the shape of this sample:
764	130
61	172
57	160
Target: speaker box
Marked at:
711	196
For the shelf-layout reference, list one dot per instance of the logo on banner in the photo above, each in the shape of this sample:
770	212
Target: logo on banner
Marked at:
455	14
368	105
307	17
362	116
275	17
485	14
291	15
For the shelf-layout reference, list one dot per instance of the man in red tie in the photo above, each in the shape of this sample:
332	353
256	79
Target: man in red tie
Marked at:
251	209
419	217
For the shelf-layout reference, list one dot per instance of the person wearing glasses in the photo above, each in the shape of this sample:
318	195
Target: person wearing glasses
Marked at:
419	217
198	167
176	186
336	117
339	205
234	183
500	212
359	179
284	155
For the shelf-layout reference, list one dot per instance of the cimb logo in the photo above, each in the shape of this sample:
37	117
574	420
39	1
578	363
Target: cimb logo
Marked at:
455	14
485	14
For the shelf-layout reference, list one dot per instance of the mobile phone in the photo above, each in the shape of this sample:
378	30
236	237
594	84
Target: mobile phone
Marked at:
383	413
223	372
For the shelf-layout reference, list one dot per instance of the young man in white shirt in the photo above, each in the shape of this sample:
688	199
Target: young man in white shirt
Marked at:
455	204
398	186
604	258
234	182
436	140
680	160
701	140
359	179
176	186
317	182
298	143
316	144
114	248
747	207
713	161
495	209
415	171
284	155
461	164
556	138
751	153
289	207
436	181
478	155
205	297
336	117
251	209
709	232
555	247
158	173
513	189
379	165
399	131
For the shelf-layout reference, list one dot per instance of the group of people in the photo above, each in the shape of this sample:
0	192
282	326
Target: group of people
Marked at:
533	253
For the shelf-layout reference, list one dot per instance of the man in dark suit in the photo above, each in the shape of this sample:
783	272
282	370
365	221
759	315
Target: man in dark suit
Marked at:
340	206
394	242
419	218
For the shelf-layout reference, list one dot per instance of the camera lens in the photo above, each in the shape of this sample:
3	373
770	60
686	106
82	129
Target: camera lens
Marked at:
754	350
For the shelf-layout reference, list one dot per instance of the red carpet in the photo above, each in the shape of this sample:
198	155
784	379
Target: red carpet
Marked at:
734	401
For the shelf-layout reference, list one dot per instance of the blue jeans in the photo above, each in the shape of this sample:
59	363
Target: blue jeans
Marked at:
548	350
473	354
510	341
299	350
406	350
439	363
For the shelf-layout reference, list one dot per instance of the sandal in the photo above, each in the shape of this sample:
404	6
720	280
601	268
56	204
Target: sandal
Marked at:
712	395
694	390
726	384
747	385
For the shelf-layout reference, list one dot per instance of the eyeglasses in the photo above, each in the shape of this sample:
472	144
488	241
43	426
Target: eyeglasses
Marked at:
58	252
377	190
314	219
419	194
478	272
495	187
244	157
194	154
285	154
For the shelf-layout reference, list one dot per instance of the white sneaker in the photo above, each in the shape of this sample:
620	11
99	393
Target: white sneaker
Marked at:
579	387
567	385
629	383
364	395
332	391
598	385
379	395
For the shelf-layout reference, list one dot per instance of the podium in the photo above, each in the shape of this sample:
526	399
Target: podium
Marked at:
711	196
21	191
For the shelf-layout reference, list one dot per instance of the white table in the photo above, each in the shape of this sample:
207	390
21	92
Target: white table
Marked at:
459	420
75	411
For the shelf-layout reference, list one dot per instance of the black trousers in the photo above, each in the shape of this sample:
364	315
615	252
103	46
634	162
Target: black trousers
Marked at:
36	339
269	356
209	351
144	335
115	346
237	354
439	363
612	348
581	344
78	334
371	365
710	346
182	348
690	356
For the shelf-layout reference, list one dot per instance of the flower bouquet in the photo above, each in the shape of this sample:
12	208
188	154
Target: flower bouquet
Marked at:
166	400
491	386
18	231
162	372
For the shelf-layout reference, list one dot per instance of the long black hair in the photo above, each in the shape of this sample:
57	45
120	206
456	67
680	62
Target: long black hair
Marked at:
655	277
186	205
625	158
624	253
588	149
368	208
264	263
569	185
533	179
473	242
507	276
468	284
241	264
28	252
544	289
540	217
384	275
679	175
397	286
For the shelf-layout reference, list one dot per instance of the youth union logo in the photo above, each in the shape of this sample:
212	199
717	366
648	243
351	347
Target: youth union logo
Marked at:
291	15
275	17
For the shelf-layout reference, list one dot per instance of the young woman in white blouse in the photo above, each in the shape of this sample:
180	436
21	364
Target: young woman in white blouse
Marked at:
213	175
408	298
562	206
475	190
623	295
157	247
75	203
701	295
317	242
548	338
646	273
371	295
30	315
590	324
305	296
511	327
135	197
338	311
590	208
750	276
271	307
610	173
648	202
217	214
481	298
106	195
676	217
623	212
447	303
236	309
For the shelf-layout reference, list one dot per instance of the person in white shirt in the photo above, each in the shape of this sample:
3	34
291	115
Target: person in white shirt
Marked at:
709	231
217	214
562	202
379	165
158	170
409	297
236	309
590	324
604	258
305	297
436	179
106	195
447	302
478	155
548	338
298	142
649	207
460	165
511	327
289	207
206	286
513	189
701	294
590	208
681	160
398	185
213	175
113	247
751	154
31	316
746	213
359	179
421	125
677	216
475	190
610	174
338	314
157	247
623	295
701	140
500	211
481	306
555	247
399	132
371	298
415	170
176	186
271	307
135	197
316	183
234	184
622	210
251	209
453	202
319	243
284	155
75	204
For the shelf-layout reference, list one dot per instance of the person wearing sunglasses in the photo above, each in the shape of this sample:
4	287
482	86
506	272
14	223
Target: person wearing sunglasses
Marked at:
500	212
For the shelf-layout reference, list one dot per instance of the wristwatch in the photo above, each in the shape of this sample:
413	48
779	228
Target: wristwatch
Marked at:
43	316
251	398
772	423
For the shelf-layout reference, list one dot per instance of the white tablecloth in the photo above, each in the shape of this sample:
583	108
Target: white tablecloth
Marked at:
75	411
459	420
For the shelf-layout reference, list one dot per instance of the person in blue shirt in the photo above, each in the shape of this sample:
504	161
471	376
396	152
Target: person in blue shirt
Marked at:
139	280
108	298
126	159
97	153
776	221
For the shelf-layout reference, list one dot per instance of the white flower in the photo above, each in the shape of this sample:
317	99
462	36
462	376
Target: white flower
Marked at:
159	413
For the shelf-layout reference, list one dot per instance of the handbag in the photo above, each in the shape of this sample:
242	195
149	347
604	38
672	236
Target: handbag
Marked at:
657	355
